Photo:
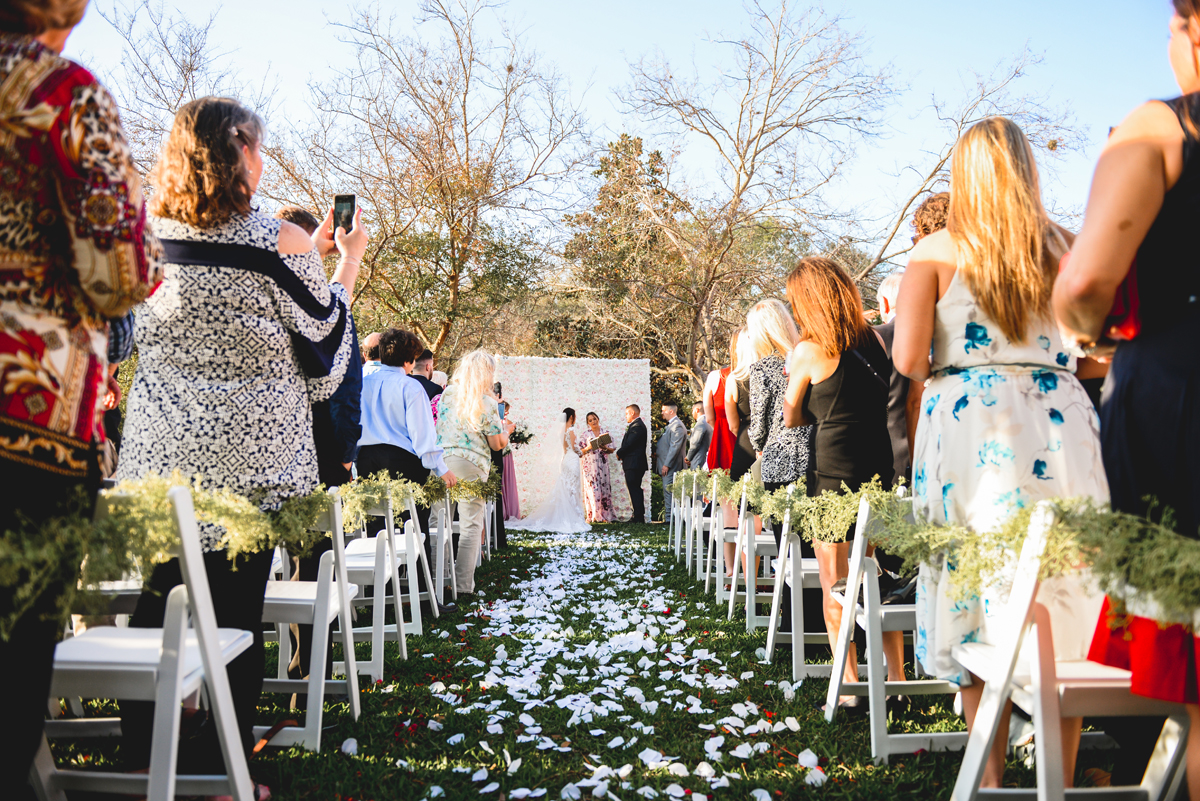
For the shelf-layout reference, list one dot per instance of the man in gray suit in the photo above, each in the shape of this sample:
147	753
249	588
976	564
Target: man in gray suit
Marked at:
697	457
669	455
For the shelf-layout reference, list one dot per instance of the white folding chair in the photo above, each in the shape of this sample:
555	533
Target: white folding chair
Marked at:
800	574
315	603
875	618
749	547
443	528
376	561
489	531
1050	690
161	665
701	523
692	535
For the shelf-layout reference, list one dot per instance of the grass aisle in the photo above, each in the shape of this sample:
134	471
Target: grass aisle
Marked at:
590	664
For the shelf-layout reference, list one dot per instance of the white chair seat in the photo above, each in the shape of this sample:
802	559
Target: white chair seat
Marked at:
128	661
361	552
292	601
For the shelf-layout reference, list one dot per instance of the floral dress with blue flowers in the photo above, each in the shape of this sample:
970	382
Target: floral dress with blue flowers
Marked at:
1002	426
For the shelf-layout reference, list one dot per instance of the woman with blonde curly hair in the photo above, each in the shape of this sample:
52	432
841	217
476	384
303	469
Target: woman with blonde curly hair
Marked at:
469	428
243	336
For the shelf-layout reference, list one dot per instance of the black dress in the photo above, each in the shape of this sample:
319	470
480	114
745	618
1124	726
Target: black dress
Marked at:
743	449
1150	409
850	410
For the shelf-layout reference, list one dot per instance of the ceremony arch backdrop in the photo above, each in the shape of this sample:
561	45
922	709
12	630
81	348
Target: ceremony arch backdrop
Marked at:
539	389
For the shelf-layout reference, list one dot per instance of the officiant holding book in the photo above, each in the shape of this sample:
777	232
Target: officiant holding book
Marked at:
597	488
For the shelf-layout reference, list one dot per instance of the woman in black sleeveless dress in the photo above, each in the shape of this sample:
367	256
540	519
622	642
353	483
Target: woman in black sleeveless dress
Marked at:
1144	205
737	402
837	383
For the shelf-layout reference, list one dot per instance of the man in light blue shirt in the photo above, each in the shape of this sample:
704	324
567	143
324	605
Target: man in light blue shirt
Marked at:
370	353
398	433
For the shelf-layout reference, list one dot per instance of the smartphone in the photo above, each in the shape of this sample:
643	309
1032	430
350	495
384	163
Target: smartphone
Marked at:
343	212
501	406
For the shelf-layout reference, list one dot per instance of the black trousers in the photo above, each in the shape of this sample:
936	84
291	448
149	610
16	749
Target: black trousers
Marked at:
27	657
637	497
238	601
400	463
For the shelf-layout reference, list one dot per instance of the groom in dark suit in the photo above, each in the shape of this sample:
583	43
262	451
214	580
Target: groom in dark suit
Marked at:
632	454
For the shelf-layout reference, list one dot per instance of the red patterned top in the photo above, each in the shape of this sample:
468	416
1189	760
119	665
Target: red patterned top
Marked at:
720	451
74	252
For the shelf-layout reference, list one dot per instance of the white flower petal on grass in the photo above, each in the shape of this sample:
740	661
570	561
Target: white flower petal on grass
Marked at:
435	791
717	784
479	775
455	739
350	746
678	769
649	756
815	776
571	793
600	790
808	759
762	748
650	707
792	724
519	793
597	732
445	635
616	742
705	770
759	794
749	674
437	687
647	792
484	745
624	771
495	728
490	787
743	751
516	763
403	763
435	726
527	720
675	791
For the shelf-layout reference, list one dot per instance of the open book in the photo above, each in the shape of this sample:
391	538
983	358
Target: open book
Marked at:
600	441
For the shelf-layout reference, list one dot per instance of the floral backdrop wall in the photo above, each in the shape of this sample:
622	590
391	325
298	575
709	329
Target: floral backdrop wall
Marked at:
538	389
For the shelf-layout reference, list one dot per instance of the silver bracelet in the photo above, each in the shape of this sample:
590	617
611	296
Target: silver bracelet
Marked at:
348	261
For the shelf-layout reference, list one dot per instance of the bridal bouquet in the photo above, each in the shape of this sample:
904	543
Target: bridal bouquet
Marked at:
521	435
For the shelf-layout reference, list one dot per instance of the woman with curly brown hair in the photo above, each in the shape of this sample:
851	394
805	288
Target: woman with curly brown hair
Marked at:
75	253
243	336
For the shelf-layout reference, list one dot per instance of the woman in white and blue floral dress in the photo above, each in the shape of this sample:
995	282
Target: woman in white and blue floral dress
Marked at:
1003	423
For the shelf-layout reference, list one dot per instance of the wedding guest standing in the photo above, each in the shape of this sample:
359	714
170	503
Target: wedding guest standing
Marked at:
243	335
720	449
784	451
1144	204
597	489
632	455
737	406
1004	423
836	384
668	453
898	383
75	252
699	440
469	428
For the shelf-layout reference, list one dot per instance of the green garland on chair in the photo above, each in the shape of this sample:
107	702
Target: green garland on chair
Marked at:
435	489
371	492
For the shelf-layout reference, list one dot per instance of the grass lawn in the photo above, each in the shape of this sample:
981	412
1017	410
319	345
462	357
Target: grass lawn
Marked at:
581	658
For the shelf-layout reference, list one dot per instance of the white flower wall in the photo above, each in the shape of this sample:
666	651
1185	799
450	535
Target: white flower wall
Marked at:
539	389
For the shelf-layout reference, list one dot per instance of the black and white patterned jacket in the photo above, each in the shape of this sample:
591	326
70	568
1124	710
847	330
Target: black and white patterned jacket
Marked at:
785	451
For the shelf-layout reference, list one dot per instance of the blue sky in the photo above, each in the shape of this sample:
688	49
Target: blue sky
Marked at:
1103	58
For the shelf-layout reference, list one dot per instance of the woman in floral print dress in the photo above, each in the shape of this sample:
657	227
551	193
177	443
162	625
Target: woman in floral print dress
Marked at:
1004	423
597	488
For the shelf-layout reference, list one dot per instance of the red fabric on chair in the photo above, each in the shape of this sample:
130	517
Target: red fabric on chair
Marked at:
1162	658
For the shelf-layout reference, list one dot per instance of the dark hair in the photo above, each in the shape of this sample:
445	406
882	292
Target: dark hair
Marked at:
299	216
426	355
373	349
498	390
201	177
1187	8
670	405
592	414
397	347
930	216
636	409
569	412
35	17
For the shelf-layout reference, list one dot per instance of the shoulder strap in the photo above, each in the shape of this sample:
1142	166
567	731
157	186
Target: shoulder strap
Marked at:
863	359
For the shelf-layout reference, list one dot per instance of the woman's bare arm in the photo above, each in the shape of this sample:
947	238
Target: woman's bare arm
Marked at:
1141	161
807	359
918	300
731	410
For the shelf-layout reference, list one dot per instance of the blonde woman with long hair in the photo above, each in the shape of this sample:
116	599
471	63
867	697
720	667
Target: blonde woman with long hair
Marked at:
469	428
1004	423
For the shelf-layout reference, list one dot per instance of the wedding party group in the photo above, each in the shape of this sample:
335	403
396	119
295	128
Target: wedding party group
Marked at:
1016	361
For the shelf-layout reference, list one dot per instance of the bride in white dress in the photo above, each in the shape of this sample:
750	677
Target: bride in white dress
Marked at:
562	512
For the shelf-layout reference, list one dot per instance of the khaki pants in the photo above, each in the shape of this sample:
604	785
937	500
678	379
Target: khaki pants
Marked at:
470	520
